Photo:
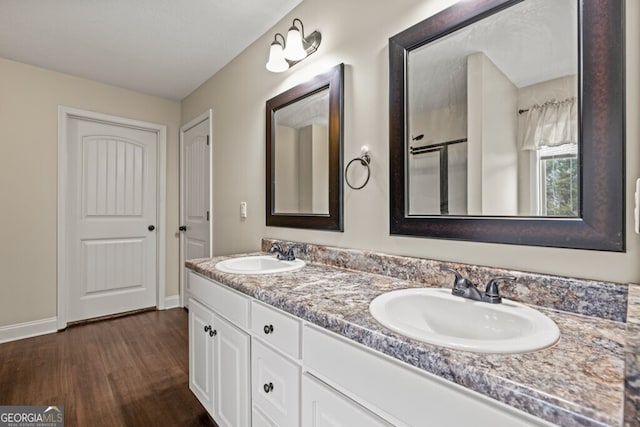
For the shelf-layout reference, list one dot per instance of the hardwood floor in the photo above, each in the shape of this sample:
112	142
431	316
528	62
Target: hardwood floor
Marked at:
129	371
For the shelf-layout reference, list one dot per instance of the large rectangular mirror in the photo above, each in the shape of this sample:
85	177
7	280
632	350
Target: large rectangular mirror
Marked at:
506	124
304	154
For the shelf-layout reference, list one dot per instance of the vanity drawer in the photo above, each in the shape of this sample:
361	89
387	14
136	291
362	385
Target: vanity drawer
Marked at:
275	383
277	328
224	301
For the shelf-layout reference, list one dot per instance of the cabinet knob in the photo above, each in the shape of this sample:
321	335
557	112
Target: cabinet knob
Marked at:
213	332
268	387
268	329
207	328
151	227
182	228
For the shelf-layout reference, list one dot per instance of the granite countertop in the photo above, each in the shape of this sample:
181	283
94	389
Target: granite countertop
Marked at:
579	381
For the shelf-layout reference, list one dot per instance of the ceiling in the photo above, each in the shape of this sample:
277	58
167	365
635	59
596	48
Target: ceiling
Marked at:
165	48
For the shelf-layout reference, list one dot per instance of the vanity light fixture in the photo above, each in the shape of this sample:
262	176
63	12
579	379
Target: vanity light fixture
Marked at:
277	63
285	54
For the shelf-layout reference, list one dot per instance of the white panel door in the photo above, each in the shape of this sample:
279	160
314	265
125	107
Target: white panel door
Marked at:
111	219
194	194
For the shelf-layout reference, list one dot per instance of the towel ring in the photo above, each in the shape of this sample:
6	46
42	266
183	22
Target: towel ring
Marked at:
365	160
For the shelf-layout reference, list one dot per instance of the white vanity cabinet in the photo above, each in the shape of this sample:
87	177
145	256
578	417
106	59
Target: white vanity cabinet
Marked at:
257	365
219	353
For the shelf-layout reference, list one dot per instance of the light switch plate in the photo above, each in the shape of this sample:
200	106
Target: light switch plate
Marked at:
243	209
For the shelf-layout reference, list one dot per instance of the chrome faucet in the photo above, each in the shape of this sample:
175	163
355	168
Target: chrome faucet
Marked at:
281	254
465	288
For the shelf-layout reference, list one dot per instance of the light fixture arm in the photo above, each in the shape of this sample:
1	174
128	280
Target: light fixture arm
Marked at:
275	39
301	26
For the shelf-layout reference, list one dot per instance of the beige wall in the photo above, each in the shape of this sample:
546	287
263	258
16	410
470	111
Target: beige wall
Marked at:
356	33
29	99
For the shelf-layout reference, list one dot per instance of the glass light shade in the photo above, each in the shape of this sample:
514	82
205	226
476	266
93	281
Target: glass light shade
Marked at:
276	63
294	51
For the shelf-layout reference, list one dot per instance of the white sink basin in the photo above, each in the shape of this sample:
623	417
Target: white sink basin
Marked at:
435	316
259	264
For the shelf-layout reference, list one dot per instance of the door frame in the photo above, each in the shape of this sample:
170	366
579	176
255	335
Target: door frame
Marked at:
65	113
208	114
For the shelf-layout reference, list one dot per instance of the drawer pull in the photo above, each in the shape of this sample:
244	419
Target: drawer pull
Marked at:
268	329
213	332
268	387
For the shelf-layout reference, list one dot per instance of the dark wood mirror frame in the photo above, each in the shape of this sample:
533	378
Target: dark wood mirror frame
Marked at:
334	81
600	225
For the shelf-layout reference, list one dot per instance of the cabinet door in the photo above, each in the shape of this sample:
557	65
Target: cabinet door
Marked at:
324	407
201	354
232	405
275	385
259	420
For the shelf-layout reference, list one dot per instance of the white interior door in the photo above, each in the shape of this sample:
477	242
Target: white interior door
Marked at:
111	218
195	194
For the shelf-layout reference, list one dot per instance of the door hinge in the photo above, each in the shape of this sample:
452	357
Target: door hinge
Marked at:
207	139
207	215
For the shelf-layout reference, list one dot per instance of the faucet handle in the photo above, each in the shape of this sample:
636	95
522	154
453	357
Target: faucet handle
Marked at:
492	293
275	246
460	282
290	255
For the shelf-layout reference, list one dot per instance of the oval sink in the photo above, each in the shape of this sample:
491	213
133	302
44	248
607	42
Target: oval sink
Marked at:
258	264
434	316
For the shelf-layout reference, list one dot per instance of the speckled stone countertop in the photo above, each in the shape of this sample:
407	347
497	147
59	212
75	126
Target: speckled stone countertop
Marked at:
632	353
577	382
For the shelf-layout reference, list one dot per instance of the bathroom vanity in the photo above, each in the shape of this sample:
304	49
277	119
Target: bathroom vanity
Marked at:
300	348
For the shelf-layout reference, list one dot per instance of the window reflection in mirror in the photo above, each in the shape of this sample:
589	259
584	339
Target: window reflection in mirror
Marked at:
301	148
492	123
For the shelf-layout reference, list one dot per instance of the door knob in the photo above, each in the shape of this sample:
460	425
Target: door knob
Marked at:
151	227
182	228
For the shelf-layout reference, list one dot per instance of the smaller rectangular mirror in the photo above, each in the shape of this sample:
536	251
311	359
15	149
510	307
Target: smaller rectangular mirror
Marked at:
304	154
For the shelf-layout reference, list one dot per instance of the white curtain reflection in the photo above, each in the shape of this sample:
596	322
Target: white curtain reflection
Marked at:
549	125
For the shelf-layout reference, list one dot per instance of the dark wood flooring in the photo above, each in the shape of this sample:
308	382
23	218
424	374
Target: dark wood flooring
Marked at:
128	371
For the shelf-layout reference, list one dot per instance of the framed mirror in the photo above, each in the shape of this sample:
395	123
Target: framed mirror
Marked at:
304	154
507	124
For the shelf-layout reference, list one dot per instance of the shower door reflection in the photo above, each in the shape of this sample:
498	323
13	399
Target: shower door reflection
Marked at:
438	174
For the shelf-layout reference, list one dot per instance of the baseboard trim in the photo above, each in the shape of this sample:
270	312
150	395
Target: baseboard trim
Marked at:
28	329
172	302
34	328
